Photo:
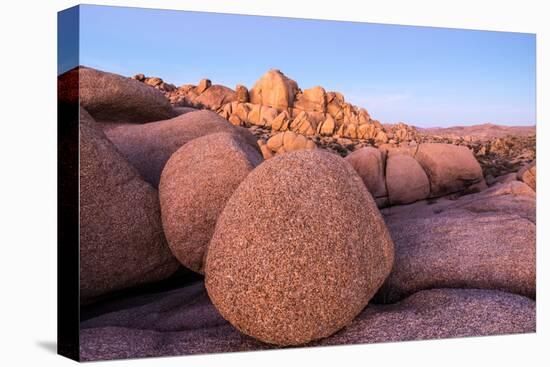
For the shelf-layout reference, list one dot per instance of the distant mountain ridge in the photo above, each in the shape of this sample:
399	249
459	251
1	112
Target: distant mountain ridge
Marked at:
481	131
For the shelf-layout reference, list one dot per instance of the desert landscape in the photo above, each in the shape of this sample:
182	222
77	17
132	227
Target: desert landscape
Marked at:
232	218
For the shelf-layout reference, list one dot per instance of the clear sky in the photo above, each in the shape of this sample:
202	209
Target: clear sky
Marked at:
420	75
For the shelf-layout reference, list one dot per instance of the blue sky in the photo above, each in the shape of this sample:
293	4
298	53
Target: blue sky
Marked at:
420	75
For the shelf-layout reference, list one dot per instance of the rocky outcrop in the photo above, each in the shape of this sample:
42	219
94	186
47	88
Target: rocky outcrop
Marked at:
401	132
485	240
266	245
204	84
342	127
196	182
121	240
276	103
403	175
149	146
114	98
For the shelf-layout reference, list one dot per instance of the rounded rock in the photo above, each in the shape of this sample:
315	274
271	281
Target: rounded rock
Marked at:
149	146
369	164
195	184
450	168
288	262
121	239
406	180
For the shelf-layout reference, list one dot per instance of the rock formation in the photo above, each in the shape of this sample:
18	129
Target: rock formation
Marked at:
294	250
274	89
277	104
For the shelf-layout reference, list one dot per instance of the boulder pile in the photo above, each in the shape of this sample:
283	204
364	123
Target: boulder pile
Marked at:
404	175
277	103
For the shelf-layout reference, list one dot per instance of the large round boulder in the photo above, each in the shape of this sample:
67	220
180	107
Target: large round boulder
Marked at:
450	168
298	251
369	164
112	97
274	89
121	240
406	180
195	184
149	146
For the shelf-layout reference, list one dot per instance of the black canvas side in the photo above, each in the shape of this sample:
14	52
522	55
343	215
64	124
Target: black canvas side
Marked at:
68	185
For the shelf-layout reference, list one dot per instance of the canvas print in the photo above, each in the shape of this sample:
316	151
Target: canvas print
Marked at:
239	183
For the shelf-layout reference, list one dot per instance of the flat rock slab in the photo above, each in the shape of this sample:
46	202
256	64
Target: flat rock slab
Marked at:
485	240
183	321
